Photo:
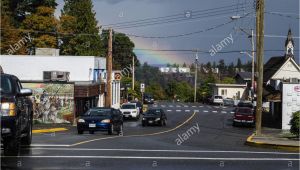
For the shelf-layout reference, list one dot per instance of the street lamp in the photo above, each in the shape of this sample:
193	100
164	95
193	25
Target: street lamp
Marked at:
252	78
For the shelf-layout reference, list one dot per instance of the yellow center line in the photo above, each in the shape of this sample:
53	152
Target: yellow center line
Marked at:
149	134
49	130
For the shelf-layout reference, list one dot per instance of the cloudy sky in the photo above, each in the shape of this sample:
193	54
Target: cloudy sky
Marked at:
190	16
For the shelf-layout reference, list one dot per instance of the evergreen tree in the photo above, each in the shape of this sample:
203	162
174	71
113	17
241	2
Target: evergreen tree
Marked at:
43	25
239	64
79	22
122	50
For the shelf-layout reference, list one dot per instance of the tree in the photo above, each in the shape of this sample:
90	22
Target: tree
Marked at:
79	22
43	24
221	66
239	64
122	50
156	90
184	65
228	80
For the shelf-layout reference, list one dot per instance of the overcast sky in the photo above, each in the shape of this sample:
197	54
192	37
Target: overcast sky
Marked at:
115	11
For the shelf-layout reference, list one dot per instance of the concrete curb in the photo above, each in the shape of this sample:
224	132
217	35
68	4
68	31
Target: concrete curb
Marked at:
250	142
49	130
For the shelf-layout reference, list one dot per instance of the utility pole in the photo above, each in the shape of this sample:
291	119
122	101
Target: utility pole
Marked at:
253	61
109	70
133	79
196	71
260	60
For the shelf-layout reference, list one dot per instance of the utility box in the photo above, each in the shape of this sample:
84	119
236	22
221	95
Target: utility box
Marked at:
56	76
290	102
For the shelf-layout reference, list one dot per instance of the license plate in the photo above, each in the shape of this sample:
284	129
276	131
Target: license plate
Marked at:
92	125
126	115
150	121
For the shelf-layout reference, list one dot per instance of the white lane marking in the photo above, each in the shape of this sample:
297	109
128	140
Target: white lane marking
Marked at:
178	110
178	106
196	110
163	105
160	157
217	107
186	106
49	145
214	111
171	106
223	112
169	110
164	150
200	106
224	107
193	106
231	112
187	110
205	111
155	106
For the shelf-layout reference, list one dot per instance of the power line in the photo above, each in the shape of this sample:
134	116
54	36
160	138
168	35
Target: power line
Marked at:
186	34
167	17
283	15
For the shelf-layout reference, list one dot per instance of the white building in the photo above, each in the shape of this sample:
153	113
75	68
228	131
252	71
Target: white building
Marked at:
234	91
84	74
174	69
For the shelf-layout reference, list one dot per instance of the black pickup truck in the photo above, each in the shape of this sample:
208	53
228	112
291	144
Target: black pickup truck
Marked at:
16	114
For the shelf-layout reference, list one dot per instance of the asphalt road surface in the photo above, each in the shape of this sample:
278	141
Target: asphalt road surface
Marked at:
197	136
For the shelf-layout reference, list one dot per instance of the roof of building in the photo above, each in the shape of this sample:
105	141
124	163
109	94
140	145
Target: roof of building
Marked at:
272	66
244	75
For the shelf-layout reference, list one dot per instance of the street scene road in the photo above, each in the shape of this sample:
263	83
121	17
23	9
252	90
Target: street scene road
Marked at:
216	144
149	84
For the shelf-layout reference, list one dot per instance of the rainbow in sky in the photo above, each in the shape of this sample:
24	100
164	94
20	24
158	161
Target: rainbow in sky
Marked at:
156	57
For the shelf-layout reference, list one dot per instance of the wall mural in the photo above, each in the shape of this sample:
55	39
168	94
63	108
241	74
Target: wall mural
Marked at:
52	103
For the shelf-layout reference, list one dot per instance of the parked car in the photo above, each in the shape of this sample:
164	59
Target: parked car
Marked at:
228	102
130	110
154	117
148	99
244	116
216	99
245	104
16	114
101	119
139	105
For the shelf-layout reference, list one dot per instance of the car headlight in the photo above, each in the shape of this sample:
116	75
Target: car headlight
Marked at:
133	111
81	120
157	119
105	121
8	109
144	118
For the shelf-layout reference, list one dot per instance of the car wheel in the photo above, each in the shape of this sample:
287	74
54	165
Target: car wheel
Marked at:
80	132
144	124
165	122
161	123
26	140
120	130
11	146
111	129
91	132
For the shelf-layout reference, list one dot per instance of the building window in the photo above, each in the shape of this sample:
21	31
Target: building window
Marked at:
224	92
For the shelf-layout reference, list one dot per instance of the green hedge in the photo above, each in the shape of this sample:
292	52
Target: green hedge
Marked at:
295	123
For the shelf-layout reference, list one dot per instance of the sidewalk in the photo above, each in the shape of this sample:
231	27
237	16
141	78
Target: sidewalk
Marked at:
276	139
50	127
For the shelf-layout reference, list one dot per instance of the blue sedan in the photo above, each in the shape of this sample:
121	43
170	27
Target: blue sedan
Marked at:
101	119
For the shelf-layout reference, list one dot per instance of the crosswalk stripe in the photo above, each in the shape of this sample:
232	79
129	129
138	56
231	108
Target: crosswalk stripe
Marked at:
223	112
187	110
178	110
196	110
205	111
169	110
215	111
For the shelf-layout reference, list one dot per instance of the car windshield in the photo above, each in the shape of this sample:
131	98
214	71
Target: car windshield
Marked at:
98	112
153	112
244	111
245	105
218	97
6	86
128	106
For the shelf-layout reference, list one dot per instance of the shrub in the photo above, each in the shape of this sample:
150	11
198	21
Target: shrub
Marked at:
295	123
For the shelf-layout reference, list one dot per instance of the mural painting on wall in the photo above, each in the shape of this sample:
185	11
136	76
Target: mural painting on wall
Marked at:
52	103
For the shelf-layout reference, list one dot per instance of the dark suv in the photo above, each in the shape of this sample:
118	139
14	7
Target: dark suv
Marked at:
16	114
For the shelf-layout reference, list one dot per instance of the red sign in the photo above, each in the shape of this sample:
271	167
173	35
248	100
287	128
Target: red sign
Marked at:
297	88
